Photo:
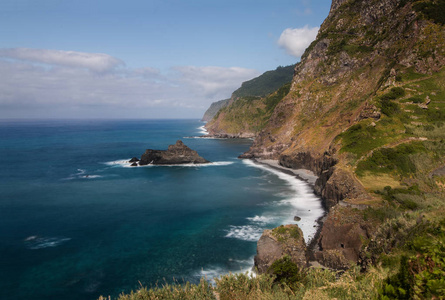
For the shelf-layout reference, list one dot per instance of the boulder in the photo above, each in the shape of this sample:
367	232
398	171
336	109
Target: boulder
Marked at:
279	242
341	238
174	155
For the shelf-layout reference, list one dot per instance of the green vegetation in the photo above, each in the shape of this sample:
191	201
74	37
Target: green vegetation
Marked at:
392	160
432	9
286	272
266	83
251	113
272	100
203	290
358	139
283	233
389	107
422	274
313	283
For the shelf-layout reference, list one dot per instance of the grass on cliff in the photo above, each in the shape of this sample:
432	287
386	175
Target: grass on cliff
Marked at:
307	284
408	141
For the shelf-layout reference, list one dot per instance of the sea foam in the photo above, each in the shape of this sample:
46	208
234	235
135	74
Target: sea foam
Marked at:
250	233
35	242
301	202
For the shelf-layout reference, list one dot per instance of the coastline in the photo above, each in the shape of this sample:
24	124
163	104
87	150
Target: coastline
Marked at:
302	174
309	177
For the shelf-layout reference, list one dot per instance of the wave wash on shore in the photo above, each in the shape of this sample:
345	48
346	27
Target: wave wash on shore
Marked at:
301	202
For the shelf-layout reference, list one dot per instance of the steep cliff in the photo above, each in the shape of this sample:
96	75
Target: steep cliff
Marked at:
365	112
213	109
250	106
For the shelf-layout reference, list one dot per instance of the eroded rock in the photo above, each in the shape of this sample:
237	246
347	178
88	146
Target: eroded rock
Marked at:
279	242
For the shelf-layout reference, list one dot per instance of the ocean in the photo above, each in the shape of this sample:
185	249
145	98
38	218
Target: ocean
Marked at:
77	222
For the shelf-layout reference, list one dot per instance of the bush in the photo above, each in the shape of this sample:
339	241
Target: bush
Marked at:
422	275
392	160
286	272
359	139
388	107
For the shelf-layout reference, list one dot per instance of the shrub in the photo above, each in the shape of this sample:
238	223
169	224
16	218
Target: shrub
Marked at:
286	272
392	160
422	275
359	139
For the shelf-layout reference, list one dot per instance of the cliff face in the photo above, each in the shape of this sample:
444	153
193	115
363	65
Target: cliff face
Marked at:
250	106
357	46
213	109
364	111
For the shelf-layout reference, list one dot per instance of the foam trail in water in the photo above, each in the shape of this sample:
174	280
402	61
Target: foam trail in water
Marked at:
302	202
82	175
261	219
35	242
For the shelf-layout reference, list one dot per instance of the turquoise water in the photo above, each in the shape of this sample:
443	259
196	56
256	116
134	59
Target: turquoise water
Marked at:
76	222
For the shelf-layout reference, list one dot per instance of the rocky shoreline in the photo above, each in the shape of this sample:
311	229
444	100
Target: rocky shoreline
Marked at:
270	248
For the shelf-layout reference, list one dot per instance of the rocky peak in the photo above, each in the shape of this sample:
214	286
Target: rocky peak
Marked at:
336	4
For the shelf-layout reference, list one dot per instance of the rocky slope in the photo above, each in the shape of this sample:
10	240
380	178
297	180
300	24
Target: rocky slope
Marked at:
251	105
364	112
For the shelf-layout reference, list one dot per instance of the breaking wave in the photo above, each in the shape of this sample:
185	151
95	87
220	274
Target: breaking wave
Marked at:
300	201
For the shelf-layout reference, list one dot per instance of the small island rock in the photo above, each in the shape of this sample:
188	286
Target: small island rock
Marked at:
174	155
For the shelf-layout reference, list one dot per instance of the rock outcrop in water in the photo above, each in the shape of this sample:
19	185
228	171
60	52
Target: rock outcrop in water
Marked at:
175	154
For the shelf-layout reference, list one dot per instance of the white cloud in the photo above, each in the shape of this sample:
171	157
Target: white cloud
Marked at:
69	89
296	40
97	62
214	82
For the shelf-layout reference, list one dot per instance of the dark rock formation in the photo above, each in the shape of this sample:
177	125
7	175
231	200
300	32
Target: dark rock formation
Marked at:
134	159
341	238
278	242
174	155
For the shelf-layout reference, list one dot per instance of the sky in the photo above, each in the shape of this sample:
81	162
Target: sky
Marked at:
143	58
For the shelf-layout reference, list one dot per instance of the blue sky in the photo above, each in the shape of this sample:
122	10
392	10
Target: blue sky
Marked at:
142	59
